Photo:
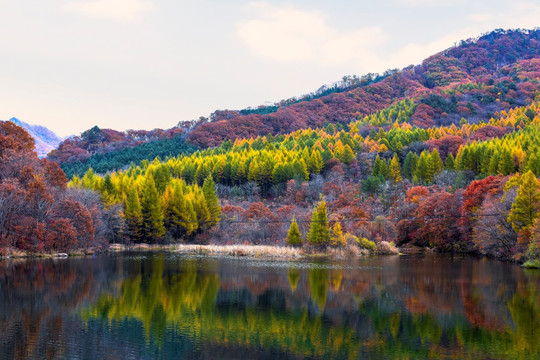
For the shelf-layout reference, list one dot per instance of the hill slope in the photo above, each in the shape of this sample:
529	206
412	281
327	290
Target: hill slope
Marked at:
511	55
474	81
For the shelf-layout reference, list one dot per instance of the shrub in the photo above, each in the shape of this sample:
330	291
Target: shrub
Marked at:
387	248
366	244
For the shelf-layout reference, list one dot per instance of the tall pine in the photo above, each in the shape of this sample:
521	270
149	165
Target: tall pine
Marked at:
152	215
294	237
395	169
409	166
526	206
319	234
133	215
212	200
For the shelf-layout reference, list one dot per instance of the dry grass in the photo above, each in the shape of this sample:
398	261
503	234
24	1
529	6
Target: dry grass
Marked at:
262	251
280	252
141	247
12	253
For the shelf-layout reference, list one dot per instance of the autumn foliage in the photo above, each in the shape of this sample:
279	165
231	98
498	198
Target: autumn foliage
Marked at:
37	212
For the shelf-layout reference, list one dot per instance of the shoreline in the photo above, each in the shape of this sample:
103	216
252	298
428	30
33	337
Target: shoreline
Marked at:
270	252
236	250
247	251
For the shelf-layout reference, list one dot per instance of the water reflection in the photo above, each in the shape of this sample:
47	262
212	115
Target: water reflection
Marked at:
166	306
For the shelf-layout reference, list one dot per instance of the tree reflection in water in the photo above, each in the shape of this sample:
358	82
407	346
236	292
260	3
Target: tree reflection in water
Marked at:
406	307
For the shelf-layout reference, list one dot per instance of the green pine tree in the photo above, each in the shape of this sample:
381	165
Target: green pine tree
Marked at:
436	162
526	206
347	155
294	237
506	163
212	200
450	163
409	166
152	215
319	234
423	171
316	162
133	215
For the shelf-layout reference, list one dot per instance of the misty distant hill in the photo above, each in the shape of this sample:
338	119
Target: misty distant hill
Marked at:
46	140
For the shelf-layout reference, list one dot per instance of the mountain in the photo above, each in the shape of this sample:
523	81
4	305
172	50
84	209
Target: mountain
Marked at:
502	57
473	80
46	140
442	155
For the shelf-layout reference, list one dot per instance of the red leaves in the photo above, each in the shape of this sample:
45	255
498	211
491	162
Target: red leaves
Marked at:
35	215
416	193
423	116
14	138
477	191
438	216
62	235
446	145
54	175
430	217
488	132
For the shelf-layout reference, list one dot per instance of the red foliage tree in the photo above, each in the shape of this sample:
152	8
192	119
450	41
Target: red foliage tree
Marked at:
423	116
35	215
474	196
488	132
446	145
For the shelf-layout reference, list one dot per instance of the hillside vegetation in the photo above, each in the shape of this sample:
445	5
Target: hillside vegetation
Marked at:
442	155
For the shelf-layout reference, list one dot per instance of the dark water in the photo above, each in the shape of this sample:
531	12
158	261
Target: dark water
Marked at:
145	306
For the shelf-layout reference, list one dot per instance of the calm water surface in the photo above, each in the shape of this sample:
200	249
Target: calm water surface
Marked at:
146	306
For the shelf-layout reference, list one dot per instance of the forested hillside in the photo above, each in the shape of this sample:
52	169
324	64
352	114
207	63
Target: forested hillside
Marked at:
106	150
463	81
442	155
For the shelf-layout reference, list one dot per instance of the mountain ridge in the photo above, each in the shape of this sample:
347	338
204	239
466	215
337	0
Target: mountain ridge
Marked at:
46	140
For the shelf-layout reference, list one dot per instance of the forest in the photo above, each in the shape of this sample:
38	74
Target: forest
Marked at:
442	155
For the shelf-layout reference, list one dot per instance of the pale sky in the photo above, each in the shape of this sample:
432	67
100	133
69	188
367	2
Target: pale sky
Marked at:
142	64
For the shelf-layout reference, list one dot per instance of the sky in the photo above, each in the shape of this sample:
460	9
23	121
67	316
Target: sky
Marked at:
144	64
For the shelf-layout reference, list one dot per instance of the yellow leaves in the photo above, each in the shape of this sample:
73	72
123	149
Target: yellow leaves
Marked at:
518	156
406	126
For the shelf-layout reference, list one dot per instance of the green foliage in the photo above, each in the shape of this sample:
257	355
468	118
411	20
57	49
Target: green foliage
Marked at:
409	166
116	160
450	162
526	206
372	184
133	215
152	216
179	213
424	171
436	164
318	234
294	237
212	200
364	243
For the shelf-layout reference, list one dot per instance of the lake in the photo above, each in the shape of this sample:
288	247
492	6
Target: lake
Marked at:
170	306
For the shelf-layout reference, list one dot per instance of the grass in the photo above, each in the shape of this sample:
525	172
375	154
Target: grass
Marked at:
262	251
257	251
253	251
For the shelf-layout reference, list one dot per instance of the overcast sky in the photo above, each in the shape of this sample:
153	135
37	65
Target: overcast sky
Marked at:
142	64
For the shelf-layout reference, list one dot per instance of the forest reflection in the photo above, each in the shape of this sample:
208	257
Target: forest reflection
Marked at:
400	307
